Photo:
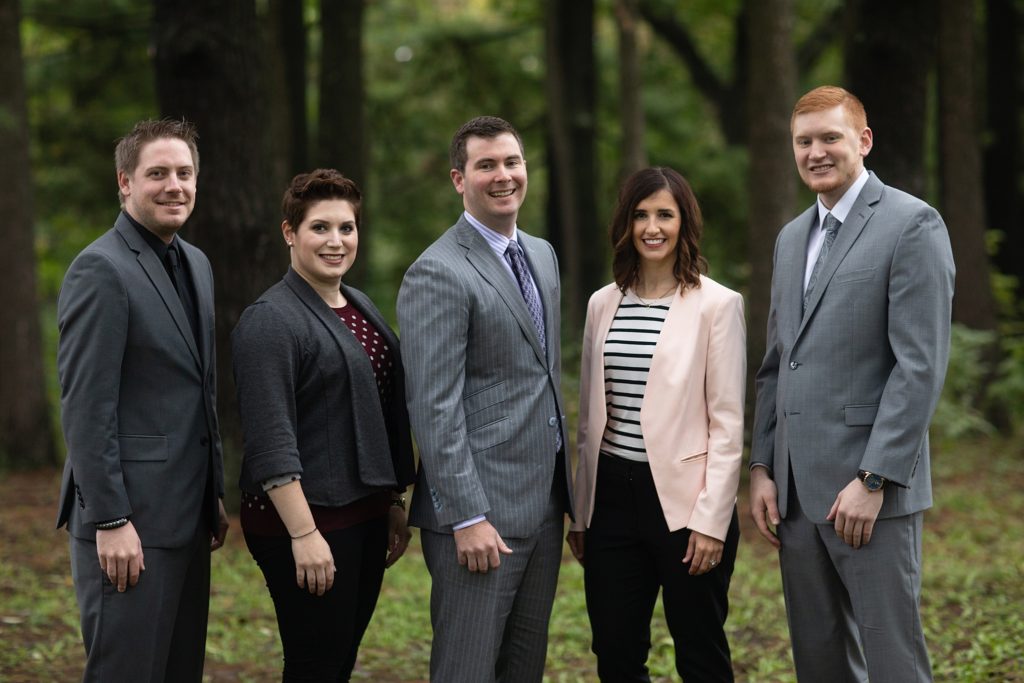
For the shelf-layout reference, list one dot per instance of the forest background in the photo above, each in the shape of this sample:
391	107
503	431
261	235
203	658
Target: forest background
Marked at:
598	88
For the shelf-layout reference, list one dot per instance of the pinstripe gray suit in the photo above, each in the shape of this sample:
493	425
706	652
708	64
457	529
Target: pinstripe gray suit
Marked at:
485	407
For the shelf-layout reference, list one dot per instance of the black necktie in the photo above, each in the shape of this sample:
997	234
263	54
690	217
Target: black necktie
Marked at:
179	279
831	225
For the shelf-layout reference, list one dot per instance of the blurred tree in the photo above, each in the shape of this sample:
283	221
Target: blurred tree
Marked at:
1004	154
772	181
342	134
631	103
208	70
726	97
889	57
572	175
284	28
963	199
26	433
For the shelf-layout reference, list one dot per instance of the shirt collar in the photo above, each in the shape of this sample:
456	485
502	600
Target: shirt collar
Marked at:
842	208
155	243
497	241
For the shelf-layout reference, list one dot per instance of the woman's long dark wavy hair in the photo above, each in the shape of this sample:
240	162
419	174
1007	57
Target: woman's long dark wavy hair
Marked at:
689	263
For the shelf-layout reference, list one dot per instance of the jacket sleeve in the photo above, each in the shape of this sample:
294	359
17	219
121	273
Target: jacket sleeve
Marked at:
92	316
266	363
724	387
920	308
433	317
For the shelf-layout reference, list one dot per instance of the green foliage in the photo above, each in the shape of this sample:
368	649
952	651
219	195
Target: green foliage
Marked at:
970	607
958	413
971	392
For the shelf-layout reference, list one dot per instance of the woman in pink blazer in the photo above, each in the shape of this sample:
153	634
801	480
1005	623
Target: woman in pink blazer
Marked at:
660	439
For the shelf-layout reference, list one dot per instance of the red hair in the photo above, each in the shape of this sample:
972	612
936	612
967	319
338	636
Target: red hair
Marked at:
827	97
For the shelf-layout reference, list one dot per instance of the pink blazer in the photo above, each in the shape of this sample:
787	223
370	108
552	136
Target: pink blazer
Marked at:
692	413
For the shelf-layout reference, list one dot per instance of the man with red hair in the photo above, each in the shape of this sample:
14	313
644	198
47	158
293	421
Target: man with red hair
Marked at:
858	341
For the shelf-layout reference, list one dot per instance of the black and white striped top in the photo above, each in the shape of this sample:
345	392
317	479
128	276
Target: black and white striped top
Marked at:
627	359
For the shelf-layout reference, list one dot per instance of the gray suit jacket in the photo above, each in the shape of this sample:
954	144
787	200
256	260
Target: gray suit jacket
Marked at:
484	397
852	383
137	393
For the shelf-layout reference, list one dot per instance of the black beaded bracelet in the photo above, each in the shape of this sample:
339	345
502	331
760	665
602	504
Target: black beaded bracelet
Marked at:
112	524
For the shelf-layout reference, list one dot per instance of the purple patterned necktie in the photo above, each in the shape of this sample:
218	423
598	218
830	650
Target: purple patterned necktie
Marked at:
515	258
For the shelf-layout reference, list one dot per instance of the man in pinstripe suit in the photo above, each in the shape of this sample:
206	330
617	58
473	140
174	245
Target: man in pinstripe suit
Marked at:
479	316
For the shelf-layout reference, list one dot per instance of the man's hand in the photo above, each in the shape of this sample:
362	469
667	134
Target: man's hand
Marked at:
314	563
855	512
217	538
703	552
398	535
478	547
764	506
576	543
120	554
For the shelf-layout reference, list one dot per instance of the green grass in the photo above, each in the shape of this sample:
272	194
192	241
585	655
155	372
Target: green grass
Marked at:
972	602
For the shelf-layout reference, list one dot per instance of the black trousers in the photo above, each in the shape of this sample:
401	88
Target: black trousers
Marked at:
320	635
630	555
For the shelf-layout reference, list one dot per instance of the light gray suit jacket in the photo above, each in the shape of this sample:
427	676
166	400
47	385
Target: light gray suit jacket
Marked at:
137	393
484	397
852	383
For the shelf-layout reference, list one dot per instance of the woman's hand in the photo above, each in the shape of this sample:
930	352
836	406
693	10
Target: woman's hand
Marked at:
398	534
314	564
576	542
704	553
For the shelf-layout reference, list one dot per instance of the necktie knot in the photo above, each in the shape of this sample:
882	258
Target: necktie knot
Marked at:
831	224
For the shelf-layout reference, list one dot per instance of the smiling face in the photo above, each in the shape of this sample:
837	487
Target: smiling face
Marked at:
829	151
656	225
324	245
493	186
160	193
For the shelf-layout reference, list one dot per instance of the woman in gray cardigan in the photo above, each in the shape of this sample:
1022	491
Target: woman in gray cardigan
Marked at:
327	447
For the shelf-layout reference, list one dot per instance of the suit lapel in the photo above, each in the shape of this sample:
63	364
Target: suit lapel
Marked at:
851	229
485	261
683	315
161	281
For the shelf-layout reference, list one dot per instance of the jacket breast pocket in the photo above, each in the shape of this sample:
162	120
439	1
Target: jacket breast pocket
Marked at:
856	275
861	415
137	448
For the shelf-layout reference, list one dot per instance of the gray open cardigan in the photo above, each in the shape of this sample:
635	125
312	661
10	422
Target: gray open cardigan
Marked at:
308	398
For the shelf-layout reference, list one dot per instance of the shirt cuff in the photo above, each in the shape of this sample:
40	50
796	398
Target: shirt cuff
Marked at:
280	480
469	522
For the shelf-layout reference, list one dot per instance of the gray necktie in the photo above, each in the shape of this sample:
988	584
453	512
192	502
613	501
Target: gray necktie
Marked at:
831	225
518	262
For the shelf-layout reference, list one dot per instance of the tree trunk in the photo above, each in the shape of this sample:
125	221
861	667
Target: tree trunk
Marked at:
285	32
342	131
772	183
1003	153
963	205
890	50
572	172
631	104
208	71
26	433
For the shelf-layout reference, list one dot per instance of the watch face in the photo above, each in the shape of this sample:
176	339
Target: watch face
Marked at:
873	482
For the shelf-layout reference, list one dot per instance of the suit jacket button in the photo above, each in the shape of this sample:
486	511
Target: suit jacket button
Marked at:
553	422
793	365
